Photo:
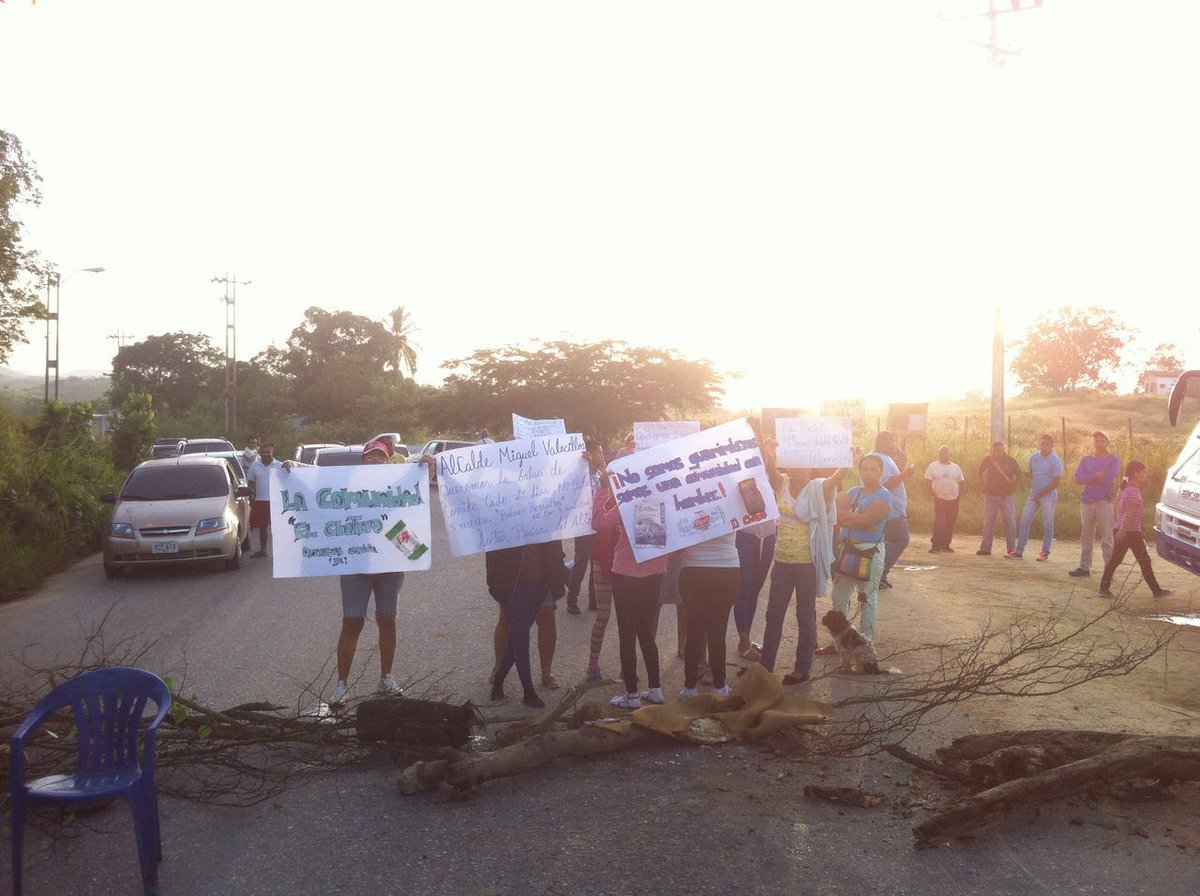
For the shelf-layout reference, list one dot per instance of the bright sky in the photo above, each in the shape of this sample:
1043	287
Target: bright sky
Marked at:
828	197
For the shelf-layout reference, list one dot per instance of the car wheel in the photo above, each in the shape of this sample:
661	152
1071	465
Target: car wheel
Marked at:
235	561
113	572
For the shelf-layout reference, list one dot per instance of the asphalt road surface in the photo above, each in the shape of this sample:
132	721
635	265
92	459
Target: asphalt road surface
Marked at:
665	819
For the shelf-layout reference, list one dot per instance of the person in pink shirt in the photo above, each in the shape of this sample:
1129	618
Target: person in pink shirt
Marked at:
1129	535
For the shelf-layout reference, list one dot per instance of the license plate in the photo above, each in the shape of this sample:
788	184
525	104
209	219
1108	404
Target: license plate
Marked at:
165	547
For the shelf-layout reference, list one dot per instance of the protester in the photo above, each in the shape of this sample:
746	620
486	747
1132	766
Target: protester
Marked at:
709	580
1129	533
485	438
896	535
999	474
1097	473
259	478
1045	471
756	549
946	484
862	515
356	594
803	556
604	544
547	639
635	590
522	580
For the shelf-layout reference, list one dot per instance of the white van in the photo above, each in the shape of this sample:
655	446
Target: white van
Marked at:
1177	514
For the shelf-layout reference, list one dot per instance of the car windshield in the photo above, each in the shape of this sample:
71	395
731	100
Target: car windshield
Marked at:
175	483
202	446
330	458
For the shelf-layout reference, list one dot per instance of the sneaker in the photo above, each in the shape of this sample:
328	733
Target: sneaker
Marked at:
1079	573
884	583
829	650
688	692
593	673
1164	592
388	685
1104	592
626	701
532	699
724	690
1043	556
653	695
1014	555
549	681
793	678
339	693
983	553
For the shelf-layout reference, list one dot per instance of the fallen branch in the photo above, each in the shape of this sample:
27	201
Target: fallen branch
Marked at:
1174	758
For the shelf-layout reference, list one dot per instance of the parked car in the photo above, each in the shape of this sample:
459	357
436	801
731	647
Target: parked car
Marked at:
167	446
204	446
434	447
341	456
305	453
174	510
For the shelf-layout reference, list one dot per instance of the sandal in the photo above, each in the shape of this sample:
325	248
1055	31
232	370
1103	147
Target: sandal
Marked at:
753	653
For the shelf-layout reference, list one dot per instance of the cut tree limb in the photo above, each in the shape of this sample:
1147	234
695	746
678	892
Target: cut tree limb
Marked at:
466	771
1174	758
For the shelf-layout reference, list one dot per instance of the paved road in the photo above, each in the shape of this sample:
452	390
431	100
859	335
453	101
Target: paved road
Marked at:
666	819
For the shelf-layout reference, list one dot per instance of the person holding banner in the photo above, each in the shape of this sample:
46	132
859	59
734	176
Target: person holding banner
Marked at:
896	470
803	558
356	594
522	580
709	583
635	589
862	513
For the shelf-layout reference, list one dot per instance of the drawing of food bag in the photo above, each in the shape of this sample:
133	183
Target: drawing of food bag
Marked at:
402	537
650	524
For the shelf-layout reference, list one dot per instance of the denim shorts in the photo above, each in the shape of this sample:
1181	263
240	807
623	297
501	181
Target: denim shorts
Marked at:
356	593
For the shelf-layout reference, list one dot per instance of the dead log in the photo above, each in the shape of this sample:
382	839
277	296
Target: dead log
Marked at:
928	765
467	771
1172	758
1078	744
414	722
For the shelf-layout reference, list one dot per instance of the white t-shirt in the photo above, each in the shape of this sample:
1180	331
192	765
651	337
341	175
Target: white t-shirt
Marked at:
946	479
259	475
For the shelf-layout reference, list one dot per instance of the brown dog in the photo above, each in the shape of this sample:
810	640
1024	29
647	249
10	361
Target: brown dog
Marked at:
852	647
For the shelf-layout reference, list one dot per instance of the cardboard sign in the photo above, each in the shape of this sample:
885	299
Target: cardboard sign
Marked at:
692	489
524	428
329	521
647	435
813	442
507	494
906	419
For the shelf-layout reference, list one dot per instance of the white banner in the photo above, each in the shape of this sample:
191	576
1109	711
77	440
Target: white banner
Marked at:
692	489
328	521
524	428
512	493
648	435
813	442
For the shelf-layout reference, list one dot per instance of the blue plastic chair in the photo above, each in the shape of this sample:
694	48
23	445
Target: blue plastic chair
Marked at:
108	705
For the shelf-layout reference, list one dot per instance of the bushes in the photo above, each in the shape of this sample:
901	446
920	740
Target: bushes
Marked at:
52	473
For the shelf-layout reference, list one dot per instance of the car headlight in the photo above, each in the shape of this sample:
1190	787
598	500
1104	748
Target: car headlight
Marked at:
122	530
214	524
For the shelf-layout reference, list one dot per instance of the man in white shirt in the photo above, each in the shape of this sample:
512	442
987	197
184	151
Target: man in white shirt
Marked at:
259	477
944	480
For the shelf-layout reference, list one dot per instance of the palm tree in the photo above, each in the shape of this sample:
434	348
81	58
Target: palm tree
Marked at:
402	329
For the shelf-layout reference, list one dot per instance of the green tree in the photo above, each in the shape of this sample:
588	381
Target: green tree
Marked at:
20	269
1165	359
332	360
134	432
178	369
1072	348
598	388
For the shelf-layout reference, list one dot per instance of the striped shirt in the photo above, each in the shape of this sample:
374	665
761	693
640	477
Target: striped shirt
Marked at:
1129	509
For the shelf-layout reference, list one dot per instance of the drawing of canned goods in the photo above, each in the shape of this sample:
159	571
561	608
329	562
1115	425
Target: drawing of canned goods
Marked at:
403	538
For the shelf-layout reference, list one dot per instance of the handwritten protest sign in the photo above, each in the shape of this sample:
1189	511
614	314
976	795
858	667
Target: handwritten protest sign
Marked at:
524	428
512	493
813	442
341	520
906	419
647	435
692	489
853	408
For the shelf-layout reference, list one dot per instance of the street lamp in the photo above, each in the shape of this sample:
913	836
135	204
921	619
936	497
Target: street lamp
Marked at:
54	316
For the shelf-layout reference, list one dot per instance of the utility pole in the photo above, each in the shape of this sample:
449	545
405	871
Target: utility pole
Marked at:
122	338
230	299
